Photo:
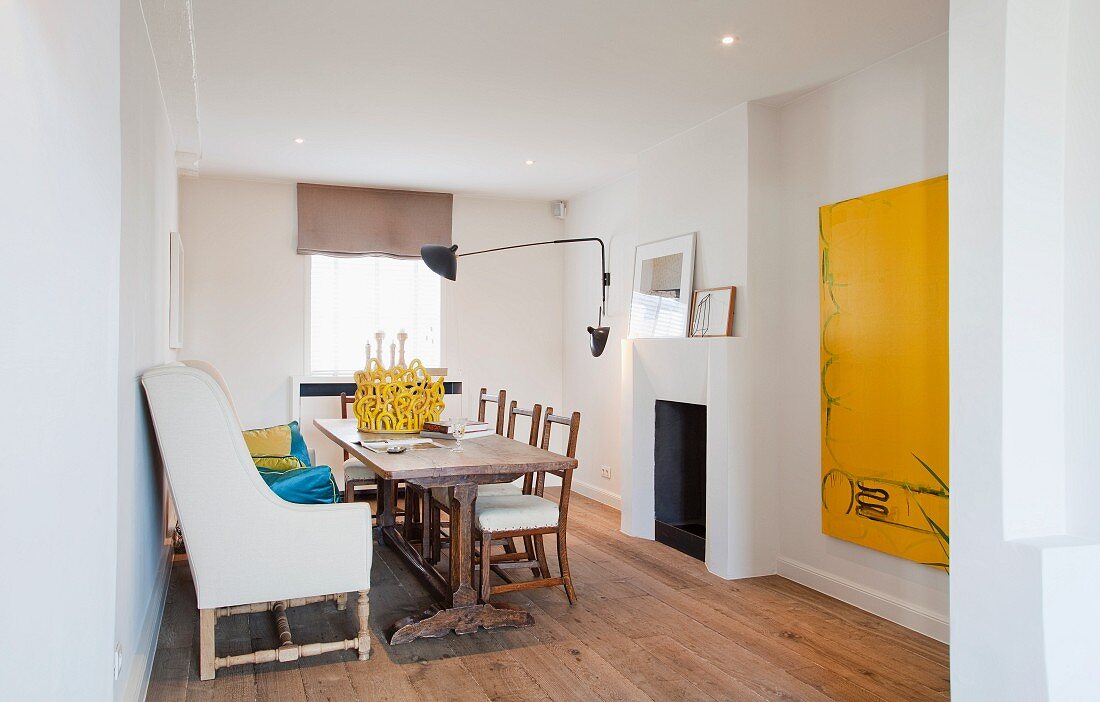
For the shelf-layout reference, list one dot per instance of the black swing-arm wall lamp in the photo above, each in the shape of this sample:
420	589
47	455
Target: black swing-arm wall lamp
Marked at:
443	260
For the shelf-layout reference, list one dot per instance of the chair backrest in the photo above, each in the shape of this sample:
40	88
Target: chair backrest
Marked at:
217	376
224	506
534	413
574	423
345	401
484	398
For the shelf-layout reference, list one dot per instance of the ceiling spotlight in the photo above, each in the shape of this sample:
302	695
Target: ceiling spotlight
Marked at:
528	162
730	39
299	140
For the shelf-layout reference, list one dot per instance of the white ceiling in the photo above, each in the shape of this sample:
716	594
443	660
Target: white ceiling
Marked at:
454	96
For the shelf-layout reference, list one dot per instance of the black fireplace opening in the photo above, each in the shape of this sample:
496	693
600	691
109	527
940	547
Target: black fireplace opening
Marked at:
680	476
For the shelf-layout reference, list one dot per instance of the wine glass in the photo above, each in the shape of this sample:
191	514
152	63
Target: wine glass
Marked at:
459	427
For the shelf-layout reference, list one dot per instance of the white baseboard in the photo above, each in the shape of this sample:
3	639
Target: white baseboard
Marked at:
141	665
878	603
598	494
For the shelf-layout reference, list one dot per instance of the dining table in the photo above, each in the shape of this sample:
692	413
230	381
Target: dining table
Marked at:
482	460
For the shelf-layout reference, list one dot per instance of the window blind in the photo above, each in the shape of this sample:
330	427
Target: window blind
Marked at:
341	221
352	298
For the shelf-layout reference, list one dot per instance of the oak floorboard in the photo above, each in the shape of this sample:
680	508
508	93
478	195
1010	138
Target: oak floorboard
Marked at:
707	648
884	681
865	621
168	681
631	659
650	624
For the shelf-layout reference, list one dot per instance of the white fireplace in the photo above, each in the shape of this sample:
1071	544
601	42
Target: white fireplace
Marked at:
741	500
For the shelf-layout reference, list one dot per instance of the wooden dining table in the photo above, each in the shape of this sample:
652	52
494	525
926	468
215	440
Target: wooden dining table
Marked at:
486	459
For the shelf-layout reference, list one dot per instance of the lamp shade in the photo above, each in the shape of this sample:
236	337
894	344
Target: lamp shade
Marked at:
598	340
441	260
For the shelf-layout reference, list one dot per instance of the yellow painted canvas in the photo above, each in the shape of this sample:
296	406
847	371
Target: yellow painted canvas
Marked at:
884	371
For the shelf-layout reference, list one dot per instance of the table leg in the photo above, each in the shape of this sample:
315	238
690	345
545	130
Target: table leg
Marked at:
410	527
427	526
463	593
464	615
387	503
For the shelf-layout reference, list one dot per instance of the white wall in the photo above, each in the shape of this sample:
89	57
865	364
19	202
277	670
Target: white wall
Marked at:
1023	156
59	274
502	318
880	128
148	215
244	290
750	181
591	385
246	297
690	183
1082	286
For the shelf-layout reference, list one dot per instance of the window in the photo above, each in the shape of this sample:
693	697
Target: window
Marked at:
352	298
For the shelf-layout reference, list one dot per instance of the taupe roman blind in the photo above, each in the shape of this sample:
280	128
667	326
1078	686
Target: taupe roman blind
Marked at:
340	221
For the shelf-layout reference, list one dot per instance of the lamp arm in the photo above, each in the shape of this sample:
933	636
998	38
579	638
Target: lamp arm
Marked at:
605	277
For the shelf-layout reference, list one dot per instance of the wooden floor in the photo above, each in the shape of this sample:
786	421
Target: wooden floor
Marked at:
651	624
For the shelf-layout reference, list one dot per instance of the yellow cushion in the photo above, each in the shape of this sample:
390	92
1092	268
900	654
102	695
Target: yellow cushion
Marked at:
279	448
277	462
272	441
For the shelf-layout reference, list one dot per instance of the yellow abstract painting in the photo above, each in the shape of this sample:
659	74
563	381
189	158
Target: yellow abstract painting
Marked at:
884	371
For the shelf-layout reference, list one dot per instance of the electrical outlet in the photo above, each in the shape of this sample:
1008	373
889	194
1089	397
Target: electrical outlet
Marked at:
605	472
118	660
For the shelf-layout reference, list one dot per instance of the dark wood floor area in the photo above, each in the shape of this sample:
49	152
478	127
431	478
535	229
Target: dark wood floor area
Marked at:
651	624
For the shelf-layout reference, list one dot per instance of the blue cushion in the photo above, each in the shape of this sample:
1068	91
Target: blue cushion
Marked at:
304	486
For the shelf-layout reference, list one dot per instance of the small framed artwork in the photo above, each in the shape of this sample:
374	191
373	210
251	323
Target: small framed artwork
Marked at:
175	291
663	273
712	311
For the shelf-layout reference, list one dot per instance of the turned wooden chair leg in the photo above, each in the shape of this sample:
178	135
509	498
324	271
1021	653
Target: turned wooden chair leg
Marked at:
540	554
486	567
342	601
364	627
207	618
563	565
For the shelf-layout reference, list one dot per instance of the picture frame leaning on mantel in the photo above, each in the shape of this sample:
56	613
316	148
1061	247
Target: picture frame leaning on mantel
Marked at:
712	312
660	300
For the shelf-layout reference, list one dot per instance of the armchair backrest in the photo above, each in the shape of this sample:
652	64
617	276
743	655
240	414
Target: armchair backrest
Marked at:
214	373
222	502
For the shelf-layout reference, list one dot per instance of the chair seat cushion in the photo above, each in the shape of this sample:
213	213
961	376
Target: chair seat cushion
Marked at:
355	470
304	486
439	494
513	512
278	448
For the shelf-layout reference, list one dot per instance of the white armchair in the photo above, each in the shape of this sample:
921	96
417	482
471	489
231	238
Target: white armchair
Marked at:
249	550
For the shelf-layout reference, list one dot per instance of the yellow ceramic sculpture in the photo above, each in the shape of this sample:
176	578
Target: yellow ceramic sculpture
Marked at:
397	400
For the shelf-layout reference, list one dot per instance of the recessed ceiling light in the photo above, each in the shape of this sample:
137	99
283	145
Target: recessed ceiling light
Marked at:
299	140
528	162
730	39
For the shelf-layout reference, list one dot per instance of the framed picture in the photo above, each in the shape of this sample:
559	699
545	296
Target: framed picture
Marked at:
175	291
663	272
712	311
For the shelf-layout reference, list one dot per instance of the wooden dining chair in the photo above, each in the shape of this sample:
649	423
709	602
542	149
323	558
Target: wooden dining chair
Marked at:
484	398
528	515
355	473
439	497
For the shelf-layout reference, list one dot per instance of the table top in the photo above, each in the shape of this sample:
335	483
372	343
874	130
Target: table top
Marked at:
484	456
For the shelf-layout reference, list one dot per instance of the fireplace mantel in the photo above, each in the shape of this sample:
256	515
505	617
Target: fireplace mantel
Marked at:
741	495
